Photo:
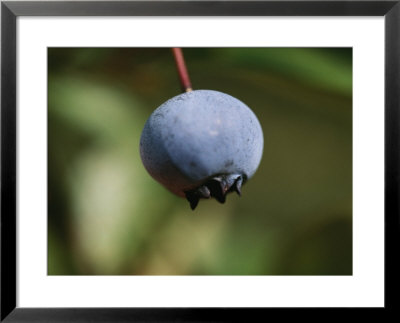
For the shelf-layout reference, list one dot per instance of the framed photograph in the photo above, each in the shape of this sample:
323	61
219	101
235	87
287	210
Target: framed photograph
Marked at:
197	160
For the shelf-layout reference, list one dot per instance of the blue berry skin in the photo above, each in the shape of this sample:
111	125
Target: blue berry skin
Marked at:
198	137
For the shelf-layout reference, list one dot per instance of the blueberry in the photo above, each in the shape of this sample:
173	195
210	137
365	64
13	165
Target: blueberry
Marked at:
202	144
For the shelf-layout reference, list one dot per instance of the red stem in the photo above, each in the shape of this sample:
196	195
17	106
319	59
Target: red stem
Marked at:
182	70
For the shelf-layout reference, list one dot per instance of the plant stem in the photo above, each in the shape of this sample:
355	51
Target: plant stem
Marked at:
182	70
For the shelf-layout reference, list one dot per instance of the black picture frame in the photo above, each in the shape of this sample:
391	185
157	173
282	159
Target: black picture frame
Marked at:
10	10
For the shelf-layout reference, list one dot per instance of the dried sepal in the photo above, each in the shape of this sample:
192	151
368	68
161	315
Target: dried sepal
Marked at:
217	187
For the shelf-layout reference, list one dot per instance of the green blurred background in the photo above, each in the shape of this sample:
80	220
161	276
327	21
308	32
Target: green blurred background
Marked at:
107	216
